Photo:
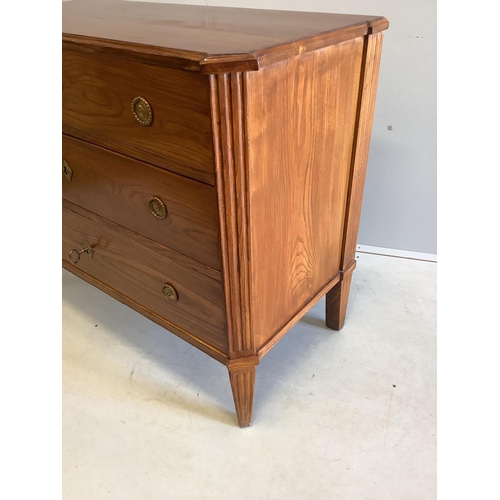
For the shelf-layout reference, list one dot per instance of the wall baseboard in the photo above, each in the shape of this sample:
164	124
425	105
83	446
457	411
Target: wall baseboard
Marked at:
394	252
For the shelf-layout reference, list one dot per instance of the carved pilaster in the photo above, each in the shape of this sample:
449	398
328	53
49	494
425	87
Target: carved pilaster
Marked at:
227	105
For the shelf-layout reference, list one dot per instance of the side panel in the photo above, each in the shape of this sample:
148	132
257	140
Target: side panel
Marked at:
300	124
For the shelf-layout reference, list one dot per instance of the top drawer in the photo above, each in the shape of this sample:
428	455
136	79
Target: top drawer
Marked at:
97	97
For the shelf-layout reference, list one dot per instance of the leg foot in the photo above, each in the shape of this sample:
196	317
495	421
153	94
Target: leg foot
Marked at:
242	384
336	303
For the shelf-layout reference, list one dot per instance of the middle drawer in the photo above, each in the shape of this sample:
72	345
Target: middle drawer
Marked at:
168	208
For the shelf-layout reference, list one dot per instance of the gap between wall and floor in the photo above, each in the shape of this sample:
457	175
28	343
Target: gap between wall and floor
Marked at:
394	252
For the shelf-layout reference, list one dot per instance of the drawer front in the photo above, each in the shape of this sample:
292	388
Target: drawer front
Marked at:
131	193
97	97
138	268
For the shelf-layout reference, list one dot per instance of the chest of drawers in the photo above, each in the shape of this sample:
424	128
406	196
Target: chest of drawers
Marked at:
213	166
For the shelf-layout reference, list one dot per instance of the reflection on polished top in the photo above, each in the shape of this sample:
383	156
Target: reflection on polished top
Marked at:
201	29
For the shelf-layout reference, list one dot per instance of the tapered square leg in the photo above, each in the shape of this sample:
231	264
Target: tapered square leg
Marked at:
242	384
336	303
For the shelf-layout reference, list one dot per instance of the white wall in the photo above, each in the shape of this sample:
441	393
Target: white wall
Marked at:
399	209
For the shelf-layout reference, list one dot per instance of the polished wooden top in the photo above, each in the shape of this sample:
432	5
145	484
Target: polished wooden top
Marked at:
210	35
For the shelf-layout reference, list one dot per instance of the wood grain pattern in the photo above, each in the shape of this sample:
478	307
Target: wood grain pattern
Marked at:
138	268
159	56
279	53
97	95
361	145
271	55
243	384
272	341
216	354
298	168
227	103
118	188
242	363
218	39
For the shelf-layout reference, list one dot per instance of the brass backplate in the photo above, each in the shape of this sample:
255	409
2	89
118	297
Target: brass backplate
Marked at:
142	111
67	170
169	292
157	207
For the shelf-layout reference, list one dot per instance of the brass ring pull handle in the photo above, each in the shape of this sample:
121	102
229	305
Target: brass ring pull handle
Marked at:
170	293
157	207
86	249
142	111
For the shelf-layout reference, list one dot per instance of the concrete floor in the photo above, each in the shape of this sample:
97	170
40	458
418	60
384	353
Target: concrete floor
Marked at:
337	415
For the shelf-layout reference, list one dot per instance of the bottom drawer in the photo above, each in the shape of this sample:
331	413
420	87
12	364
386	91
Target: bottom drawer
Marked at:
139	269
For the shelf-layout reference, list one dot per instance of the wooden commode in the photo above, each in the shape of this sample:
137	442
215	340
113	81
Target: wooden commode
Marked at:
213	166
